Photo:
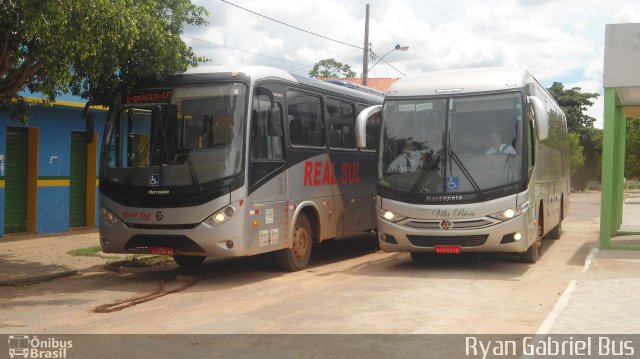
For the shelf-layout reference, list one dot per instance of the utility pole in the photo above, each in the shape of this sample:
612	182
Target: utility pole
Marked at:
365	56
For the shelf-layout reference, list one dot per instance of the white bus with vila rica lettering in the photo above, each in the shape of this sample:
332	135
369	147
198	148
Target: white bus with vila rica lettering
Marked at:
493	169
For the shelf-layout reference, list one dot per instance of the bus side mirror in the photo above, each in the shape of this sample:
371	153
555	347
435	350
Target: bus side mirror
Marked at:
541	117
361	124
263	91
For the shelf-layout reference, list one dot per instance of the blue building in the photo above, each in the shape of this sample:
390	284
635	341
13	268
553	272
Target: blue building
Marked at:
48	169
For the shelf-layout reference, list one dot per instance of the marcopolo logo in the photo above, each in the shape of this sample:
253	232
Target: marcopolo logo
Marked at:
24	346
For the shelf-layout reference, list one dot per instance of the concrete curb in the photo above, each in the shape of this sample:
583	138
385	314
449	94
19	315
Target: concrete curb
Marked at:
38	278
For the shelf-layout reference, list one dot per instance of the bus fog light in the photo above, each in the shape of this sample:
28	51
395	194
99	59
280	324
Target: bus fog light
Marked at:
229	244
517	236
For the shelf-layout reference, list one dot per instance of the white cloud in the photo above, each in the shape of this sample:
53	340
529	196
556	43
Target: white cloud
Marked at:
557	40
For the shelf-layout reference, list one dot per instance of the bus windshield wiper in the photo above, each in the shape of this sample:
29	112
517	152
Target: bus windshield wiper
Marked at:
425	170
466	173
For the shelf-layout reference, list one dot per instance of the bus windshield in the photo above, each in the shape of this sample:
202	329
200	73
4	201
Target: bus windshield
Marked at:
195	138
451	145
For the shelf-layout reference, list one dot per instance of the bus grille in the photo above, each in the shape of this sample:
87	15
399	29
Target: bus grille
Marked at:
162	226
142	242
457	224
462	241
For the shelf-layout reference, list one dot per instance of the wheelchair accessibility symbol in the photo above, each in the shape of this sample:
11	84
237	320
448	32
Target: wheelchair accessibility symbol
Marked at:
154	180
453	183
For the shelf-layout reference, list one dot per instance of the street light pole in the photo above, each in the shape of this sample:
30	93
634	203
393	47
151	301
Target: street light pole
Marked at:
365	56
396	48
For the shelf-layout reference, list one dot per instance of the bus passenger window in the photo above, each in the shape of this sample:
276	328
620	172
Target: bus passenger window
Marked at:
305	119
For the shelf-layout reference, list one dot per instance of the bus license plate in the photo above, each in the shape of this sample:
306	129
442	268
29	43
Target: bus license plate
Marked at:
163	251
447	249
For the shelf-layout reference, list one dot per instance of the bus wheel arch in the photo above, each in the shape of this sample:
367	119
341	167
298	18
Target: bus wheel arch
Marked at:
314	221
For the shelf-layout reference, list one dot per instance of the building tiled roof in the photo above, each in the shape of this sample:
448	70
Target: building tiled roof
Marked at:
378	83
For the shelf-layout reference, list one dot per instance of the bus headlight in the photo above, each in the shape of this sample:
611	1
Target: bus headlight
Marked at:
509	213
108	216
221	216
390	216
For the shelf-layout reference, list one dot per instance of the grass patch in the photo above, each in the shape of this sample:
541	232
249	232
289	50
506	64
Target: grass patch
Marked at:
129	260
95	251
138	261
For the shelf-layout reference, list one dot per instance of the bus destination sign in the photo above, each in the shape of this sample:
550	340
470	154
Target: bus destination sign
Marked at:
156	96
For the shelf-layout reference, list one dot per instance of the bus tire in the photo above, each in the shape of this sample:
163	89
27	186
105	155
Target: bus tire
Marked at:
189	261
533	252
557	230
297	256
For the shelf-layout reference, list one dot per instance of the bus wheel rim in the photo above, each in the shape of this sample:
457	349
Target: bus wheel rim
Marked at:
300	242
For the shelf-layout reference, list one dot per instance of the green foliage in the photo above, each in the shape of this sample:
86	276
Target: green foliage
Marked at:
574	104
90	48
330	68
632	150
577	155
591	141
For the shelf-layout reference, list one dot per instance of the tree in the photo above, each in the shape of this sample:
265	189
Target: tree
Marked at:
574	104
330	68
632	150
90	48
577	153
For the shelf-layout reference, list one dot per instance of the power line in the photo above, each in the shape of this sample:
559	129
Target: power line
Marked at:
248	52
291	26
393	67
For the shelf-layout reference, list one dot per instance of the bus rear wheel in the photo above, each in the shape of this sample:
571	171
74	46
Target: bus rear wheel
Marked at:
297	256
189	261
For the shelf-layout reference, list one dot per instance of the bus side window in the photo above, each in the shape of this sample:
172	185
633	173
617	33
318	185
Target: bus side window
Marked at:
305	119
266	145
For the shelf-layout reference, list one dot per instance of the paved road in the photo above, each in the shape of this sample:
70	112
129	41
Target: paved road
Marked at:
350	287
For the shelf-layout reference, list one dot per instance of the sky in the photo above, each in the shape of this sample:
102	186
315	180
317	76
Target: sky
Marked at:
557	40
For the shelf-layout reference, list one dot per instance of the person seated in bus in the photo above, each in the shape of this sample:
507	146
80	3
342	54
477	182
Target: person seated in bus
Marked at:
408	161
499	147
222	131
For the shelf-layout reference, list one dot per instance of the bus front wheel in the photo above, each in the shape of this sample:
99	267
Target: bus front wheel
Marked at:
297	256
533	253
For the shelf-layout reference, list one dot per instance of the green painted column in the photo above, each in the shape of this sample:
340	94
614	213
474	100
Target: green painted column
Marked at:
609	203
620	143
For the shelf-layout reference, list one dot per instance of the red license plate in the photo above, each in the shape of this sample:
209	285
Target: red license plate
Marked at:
447	249
163	251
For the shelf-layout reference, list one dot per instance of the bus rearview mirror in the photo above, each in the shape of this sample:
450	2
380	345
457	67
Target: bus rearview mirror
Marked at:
541	117
361	124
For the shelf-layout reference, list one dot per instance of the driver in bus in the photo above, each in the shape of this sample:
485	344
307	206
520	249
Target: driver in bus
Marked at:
499	147
408	161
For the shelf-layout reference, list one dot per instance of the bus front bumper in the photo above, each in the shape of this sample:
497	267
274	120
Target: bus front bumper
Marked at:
500	237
